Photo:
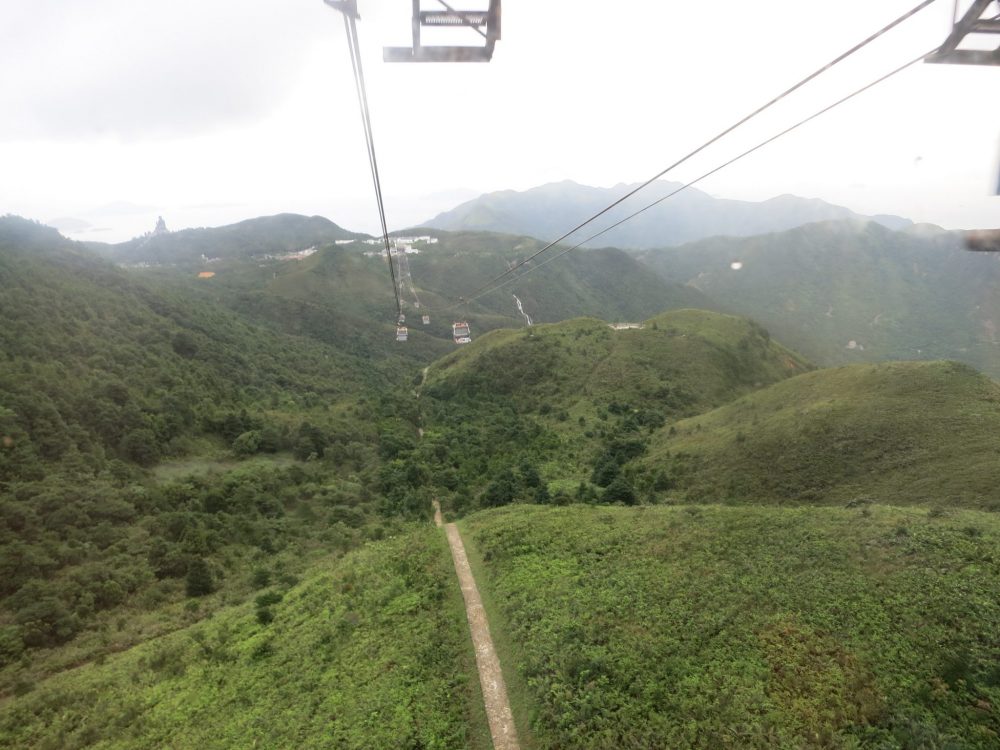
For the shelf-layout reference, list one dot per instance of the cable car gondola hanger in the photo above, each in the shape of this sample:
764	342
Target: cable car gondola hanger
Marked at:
478	21
486	23
977	20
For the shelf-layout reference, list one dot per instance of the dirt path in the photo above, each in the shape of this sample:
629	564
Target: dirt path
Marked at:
490	676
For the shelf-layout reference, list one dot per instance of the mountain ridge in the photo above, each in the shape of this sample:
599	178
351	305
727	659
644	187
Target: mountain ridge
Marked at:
546	211
852	291
261	235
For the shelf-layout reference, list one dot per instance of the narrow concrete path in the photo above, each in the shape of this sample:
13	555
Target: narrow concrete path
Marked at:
490	676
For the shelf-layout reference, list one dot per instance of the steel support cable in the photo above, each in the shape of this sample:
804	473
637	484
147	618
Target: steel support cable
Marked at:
735	159
359	82
843	56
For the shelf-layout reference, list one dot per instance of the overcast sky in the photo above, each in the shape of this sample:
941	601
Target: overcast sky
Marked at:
116	111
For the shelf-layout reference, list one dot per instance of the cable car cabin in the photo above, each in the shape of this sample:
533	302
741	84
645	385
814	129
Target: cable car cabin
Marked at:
401	333
485	23
460	330
427	320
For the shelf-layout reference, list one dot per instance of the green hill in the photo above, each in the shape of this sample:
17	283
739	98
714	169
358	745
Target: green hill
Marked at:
160	453
342	294
97	363
253	238
845	292
557	399
720	627
372	650
679	361
605	283
901	433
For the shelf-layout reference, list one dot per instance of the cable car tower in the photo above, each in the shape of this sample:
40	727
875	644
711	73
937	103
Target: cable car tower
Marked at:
486	23
978	20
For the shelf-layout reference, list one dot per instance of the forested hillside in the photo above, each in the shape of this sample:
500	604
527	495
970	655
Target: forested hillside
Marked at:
342	294
845	292
264	447
563	406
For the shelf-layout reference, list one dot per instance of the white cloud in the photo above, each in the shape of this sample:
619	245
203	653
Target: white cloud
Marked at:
248	105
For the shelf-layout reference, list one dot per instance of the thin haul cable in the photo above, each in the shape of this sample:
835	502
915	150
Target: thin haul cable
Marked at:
735	159
359	82
843	56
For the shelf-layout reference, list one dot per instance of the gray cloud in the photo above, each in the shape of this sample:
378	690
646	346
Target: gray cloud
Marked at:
133	70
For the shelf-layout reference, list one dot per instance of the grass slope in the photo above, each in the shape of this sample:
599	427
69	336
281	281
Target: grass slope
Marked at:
901	433
753	627
371	652
555	396
683	360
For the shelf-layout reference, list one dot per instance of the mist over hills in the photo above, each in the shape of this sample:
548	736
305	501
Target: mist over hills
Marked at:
549	210
343	289
852	291
264	235
839	291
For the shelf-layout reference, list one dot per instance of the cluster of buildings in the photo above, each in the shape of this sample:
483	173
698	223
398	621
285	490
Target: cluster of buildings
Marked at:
397	246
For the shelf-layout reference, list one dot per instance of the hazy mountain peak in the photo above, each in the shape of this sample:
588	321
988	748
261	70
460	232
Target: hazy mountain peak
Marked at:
547	211
263	235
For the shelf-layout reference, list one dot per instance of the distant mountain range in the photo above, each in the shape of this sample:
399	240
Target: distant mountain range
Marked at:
265	235
842	292
547	211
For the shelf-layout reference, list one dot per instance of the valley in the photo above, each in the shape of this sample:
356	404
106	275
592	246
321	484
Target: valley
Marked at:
217	491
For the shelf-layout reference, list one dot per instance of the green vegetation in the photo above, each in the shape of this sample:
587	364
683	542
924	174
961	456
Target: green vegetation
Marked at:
750	627
341	297
100	379
574	401
177	454
898	433
369	651
915	294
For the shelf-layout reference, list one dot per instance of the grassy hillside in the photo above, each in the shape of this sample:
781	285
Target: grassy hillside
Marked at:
560	400
682	360
899	433
369	651
605	283
343	297
751	627
845	292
